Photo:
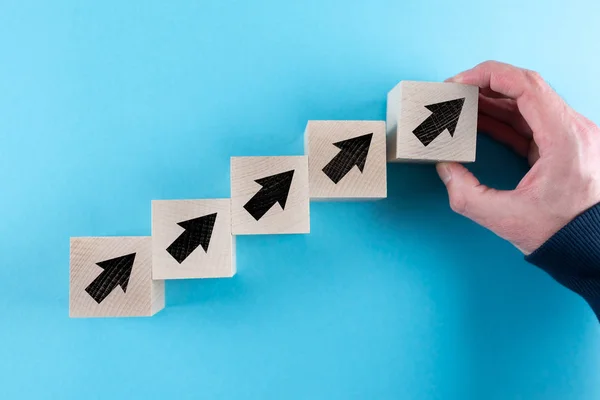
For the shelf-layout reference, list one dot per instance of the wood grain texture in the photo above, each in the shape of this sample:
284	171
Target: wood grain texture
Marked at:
406	110
294	218
144	297
371	183
217	261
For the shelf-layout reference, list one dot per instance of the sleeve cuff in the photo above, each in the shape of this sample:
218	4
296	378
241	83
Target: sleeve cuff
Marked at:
572	256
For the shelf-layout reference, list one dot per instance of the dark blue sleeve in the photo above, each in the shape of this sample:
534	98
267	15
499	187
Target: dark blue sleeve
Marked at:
572	256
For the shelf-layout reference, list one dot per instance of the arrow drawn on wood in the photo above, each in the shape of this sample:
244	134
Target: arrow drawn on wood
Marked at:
353	152
444	116
117	272
275	189
198	232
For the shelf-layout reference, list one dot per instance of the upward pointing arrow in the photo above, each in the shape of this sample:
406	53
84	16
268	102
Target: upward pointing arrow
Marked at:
353	152
116	273
198	232
275	189
444	116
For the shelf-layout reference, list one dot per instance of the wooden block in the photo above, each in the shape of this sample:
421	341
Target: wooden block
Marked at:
432	121
269	195
112	277
192	239
346	159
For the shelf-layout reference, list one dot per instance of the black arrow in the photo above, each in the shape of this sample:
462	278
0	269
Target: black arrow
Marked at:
275	189
352	152
198	232
116	273
444	116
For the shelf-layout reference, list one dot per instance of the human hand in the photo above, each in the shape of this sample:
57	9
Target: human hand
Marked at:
518	108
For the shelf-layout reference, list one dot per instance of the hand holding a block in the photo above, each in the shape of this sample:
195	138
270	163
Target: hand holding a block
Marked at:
518	108
426	122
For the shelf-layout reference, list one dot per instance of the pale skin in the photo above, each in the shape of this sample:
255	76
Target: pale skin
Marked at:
518	108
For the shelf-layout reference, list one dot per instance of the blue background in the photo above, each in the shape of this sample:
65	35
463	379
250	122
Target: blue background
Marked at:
106	105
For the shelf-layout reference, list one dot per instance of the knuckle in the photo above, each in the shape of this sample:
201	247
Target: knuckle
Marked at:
585	129
534	77
488	63
458	204
589	126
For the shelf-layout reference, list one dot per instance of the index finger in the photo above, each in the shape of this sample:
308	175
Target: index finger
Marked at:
539	104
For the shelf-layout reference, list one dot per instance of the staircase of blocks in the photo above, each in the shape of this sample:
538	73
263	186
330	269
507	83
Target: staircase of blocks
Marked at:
343	160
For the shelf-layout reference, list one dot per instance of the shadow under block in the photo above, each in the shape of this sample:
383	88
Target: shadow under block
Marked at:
112	277
346	159
192	239
432	121
269	195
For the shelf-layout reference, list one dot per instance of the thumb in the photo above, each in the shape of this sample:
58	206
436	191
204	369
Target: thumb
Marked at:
470	198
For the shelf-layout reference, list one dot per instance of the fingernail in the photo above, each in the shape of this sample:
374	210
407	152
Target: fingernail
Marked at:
444	172
457	78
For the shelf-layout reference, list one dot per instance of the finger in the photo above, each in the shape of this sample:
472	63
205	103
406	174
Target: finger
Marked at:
505	79
484	91
488	207
504	134
490	93
506	111
538	102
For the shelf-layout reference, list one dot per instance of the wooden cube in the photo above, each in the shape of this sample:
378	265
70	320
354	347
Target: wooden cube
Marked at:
112	277
346	159
192	239
269	195
432	121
